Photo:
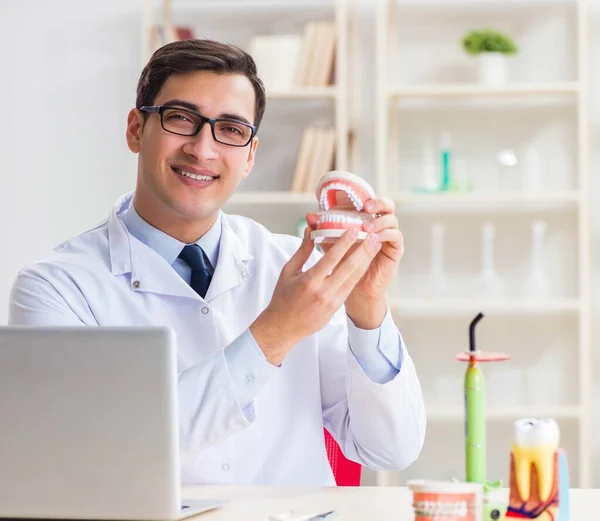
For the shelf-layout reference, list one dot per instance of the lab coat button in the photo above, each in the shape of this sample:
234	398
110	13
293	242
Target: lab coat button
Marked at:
225	467
136	284
204	310
249	379
245	274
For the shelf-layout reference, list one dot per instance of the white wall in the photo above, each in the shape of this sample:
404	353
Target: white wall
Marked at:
69	78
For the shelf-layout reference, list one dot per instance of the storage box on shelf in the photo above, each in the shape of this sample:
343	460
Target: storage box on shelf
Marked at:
301	52
491	186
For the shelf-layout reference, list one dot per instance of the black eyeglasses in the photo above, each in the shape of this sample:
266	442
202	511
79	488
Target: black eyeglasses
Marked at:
188	123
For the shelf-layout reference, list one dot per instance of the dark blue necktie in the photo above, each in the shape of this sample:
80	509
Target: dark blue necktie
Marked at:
196	259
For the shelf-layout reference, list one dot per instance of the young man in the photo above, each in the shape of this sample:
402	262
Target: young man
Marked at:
275	340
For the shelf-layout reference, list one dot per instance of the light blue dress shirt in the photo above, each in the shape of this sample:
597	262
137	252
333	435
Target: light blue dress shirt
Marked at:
378	351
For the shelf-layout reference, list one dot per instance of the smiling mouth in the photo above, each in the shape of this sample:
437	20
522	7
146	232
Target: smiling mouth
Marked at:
196	177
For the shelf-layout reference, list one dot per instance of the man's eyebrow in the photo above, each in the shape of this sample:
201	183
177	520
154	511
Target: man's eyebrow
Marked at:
236	117
181	103
195	108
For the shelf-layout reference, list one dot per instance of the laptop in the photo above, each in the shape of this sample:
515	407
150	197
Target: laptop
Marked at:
89	424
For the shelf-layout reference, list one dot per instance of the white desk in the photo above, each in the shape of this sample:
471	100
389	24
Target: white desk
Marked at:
352	503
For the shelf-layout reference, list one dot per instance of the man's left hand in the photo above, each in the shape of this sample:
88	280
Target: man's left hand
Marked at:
366	305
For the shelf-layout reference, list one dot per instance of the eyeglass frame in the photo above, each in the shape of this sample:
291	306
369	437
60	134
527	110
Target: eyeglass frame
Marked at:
159	109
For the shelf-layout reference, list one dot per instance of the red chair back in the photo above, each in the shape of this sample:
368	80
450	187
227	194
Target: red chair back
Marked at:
346	472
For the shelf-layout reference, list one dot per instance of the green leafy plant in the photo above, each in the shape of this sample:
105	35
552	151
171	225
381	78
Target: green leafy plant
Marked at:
488	40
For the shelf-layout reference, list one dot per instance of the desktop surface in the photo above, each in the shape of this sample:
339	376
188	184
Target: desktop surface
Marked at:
255	503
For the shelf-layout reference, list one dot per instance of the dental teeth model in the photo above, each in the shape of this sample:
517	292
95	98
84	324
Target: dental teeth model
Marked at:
535	442
341	197
539	475
443	500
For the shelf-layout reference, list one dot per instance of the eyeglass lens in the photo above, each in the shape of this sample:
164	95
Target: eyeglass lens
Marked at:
183	122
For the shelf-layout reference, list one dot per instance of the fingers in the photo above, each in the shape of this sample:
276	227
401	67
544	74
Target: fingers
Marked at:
393	243
312	219
388	220
353	267
334	254
381	205
303	253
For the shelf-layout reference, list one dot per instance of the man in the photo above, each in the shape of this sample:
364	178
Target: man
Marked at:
275	340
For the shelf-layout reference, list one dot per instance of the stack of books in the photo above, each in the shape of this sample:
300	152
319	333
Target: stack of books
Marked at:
290	61
316	157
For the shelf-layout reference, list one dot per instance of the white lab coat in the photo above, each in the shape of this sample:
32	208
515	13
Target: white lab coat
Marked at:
107	277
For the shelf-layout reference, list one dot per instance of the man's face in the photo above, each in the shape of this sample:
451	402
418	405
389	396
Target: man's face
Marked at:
164	196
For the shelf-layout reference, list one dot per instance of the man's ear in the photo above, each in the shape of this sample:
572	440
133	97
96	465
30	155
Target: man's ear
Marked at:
133	133
250	160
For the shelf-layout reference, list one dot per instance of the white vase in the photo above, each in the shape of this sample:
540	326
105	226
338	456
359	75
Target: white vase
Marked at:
493	68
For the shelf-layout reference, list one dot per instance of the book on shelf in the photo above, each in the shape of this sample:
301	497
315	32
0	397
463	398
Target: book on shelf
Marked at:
316	157
288	61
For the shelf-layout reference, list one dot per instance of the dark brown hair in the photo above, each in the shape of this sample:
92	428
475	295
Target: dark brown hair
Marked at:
188	56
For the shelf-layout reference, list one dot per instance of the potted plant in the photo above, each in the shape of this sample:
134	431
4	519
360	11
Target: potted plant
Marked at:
492	48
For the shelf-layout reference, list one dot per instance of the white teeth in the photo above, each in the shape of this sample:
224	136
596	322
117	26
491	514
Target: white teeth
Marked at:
339	218
193	176
535	433
352	195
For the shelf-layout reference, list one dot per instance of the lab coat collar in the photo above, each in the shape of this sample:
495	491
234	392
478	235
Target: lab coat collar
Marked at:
231	269
151	273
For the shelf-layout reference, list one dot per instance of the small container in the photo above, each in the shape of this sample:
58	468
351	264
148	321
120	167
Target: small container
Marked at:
458	501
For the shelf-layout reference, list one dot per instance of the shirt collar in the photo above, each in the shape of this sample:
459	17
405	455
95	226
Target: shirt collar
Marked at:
166	246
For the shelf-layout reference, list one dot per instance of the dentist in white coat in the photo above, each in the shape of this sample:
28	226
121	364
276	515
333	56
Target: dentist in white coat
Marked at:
275	340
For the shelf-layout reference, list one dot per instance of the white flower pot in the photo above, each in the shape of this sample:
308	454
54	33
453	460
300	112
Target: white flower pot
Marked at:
493	68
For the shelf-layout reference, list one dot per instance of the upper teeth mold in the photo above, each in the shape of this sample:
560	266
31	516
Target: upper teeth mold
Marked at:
341	197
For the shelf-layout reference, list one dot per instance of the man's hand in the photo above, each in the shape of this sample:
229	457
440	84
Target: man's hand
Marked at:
304	302
366	305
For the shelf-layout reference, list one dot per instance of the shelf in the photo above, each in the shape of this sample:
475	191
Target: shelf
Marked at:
476	90
304	93
463	202
404	200
248	7
274	15
505	414
544	106
272	197
433	7
470	306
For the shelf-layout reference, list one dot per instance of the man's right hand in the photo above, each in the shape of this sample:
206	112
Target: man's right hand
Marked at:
304	302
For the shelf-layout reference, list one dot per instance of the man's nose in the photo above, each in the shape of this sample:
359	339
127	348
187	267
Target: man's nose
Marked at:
202	145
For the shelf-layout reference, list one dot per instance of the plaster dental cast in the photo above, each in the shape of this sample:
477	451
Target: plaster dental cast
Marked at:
341	197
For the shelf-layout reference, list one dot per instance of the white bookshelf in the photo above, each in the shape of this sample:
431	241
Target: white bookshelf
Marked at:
417	96
525	201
